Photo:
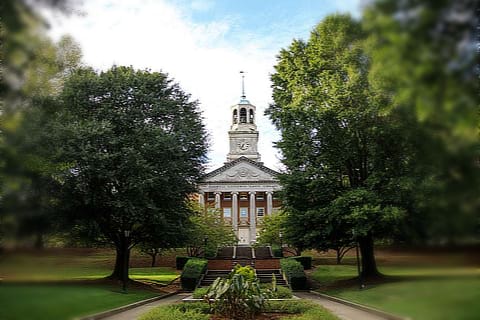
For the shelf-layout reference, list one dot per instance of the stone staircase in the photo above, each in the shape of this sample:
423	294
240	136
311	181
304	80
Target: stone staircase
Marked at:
265	276
211	275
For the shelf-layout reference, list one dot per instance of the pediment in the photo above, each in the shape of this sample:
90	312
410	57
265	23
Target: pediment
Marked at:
241	169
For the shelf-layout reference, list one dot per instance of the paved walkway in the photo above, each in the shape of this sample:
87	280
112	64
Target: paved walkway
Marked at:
342	311
135	313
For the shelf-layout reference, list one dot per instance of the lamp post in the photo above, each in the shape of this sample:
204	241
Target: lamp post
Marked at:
280	235
126	234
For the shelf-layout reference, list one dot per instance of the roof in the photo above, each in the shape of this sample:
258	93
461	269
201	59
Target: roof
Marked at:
233	163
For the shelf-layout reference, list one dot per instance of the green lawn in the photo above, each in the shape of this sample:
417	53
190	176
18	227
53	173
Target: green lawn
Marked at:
419	293
61	302
95	265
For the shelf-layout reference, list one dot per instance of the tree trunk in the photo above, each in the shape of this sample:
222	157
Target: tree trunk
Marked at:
120	265
339	256
369	265
154	258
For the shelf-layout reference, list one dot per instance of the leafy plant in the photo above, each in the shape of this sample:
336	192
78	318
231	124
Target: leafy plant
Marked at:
247	271
237	297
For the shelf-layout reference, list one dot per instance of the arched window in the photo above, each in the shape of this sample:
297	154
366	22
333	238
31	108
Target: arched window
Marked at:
243	115
251	116
235	116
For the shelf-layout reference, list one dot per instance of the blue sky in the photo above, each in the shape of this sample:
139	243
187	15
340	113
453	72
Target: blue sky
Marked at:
202	45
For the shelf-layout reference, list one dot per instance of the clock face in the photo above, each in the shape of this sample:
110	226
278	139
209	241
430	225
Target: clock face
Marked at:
243	145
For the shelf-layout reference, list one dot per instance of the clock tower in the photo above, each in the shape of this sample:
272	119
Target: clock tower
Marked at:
243	134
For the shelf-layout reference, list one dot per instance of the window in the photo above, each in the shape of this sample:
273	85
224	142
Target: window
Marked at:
251	115
243	196
243	212
260	196
243	115
211	196
260	212
227	196
227	212
235	116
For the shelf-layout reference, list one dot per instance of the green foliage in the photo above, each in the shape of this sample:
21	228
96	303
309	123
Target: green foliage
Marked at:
347	162
247	272
192	271
207	228
426	67
181	261
281	292
236	297
270	229
200	307
289	306
304	260
174	313
200	293
133	146
294	272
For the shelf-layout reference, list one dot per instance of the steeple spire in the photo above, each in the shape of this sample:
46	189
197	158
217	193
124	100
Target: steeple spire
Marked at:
243	85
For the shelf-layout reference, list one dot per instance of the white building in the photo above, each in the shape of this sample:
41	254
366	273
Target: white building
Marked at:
243	189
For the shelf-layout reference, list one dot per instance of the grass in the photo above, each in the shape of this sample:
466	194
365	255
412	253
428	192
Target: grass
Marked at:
418	292
57	288
62	302
75	265
158	274
422	299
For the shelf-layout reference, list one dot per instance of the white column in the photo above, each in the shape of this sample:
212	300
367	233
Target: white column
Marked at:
269	202
253	216
217	199
235	211
201	198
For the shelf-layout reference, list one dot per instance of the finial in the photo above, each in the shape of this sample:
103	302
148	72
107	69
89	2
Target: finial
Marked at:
243	84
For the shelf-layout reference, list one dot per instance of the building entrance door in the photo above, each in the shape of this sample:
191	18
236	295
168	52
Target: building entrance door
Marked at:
243	236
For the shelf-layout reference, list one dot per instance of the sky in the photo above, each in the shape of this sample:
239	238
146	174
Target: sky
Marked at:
202	45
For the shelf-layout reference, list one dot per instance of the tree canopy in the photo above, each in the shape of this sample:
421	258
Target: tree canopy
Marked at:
346	162
132	145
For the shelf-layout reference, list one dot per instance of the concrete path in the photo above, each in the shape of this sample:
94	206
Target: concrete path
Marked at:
342	311
135	313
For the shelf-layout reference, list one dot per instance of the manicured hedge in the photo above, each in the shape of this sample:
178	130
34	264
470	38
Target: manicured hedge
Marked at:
305	261
295	274
181	261
192	271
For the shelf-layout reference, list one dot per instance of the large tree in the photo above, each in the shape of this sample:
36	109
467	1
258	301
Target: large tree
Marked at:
426	64
346	162
133	145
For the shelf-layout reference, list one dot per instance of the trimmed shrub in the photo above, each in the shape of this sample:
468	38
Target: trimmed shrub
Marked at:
295	274
181	261
305	261
192	271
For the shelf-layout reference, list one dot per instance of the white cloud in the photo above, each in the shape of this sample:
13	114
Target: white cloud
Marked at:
158	36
